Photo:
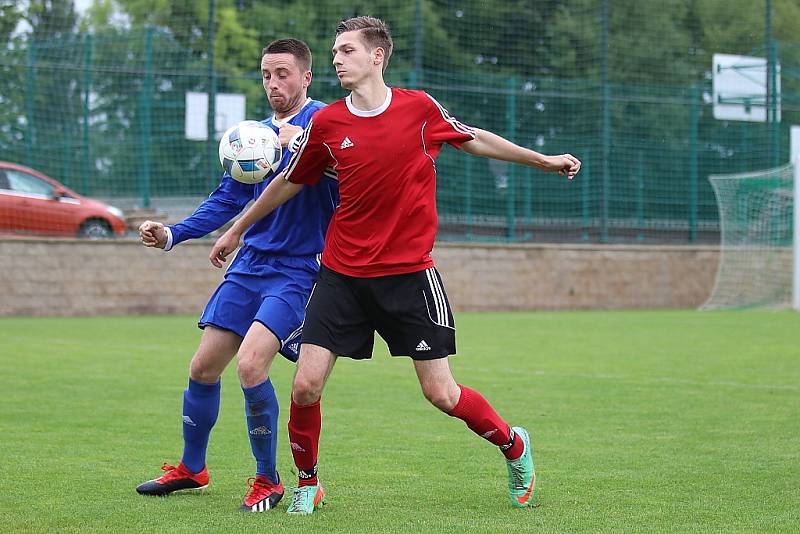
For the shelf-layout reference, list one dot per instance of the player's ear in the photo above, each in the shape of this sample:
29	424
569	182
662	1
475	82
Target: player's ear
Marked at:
307	78
378	55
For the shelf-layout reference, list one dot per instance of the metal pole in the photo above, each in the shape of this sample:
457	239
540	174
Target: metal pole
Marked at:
640	196
527	201
87	89
744	146
585	179
468	196
694	127
211	125
30	104
772	86
145	106
768	48
418	37
606	125
511	114
773	110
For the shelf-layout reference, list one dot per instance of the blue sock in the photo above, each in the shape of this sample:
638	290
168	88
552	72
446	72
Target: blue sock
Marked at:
200	410
261	411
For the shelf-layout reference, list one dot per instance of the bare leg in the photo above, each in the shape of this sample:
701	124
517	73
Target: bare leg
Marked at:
313	369
217	348
438	384
256	355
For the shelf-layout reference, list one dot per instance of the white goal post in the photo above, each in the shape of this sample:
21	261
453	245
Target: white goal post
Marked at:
796	234
794	154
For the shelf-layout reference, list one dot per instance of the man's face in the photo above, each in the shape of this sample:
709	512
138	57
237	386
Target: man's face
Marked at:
284	82
351	59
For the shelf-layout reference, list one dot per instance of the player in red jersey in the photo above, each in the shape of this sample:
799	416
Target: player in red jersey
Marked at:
377	273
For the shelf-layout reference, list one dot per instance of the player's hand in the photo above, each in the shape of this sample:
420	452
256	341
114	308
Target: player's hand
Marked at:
224	247
286	133
153	234
565	165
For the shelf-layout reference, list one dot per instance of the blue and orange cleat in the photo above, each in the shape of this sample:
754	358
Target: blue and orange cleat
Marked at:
521	474
306	499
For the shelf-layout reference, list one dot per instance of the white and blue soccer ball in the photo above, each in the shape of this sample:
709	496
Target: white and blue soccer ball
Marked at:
250	152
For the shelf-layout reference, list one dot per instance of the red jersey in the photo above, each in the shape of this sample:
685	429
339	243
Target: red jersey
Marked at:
386	220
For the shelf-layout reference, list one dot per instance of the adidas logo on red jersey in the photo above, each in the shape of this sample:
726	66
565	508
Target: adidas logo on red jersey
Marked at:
347	143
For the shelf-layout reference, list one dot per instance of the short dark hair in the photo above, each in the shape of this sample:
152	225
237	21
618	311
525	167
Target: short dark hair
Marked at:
374	33
295	47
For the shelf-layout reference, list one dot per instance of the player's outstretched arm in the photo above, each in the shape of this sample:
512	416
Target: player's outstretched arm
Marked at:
277	193
153	234
493	146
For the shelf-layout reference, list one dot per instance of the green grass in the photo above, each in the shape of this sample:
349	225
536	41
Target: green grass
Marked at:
642	421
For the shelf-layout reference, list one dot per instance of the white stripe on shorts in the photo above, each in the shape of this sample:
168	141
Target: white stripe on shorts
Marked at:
442	313
291	336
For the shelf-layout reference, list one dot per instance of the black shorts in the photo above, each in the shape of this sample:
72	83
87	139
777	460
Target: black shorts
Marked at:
409	311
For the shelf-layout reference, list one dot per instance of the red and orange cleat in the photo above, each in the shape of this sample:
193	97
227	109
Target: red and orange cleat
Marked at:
175	479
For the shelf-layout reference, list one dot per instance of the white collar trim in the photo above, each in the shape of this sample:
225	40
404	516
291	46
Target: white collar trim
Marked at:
373	112
281	122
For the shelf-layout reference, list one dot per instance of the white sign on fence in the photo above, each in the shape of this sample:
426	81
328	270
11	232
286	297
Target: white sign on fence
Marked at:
230	109
740	88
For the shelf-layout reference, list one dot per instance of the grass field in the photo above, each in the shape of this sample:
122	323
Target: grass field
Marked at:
669	421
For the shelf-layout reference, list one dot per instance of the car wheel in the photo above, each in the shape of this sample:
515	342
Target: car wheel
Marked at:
95	229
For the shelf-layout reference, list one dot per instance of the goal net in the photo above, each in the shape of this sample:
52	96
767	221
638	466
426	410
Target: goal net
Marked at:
756	213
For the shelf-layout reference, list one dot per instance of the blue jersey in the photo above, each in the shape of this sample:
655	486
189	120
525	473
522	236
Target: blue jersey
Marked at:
297	228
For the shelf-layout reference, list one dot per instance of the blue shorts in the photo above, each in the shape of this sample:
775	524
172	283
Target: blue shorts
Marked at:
272	290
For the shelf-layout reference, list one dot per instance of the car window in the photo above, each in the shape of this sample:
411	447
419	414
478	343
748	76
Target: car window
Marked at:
3	180
22	182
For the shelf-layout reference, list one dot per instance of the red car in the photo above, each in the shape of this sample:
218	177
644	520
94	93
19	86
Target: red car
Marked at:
33	203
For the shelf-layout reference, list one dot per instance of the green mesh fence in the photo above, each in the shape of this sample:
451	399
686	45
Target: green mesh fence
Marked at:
95	97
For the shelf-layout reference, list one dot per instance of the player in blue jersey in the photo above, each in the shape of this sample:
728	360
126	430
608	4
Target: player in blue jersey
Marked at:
258	309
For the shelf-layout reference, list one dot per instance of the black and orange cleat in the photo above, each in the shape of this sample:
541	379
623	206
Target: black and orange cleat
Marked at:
175	479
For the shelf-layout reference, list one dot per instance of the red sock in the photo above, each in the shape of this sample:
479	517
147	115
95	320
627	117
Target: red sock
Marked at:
481	418
305	424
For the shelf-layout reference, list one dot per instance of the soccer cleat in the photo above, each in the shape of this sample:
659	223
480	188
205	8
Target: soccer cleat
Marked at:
175	479
306	499
263	494
521	476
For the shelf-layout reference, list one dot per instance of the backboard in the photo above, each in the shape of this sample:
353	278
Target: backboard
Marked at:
740	88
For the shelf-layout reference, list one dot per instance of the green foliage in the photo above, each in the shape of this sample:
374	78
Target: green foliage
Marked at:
10	15
51	19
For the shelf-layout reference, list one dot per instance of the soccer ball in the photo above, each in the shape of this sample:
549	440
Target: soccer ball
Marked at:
250	151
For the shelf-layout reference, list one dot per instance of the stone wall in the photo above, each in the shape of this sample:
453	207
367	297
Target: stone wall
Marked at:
120	277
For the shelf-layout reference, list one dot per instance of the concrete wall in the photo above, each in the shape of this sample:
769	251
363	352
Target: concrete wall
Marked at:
120	277
556	277
114	277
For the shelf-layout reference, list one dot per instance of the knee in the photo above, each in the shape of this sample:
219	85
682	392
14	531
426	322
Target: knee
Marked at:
441	396
200	372
251	368
249	373
306	390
